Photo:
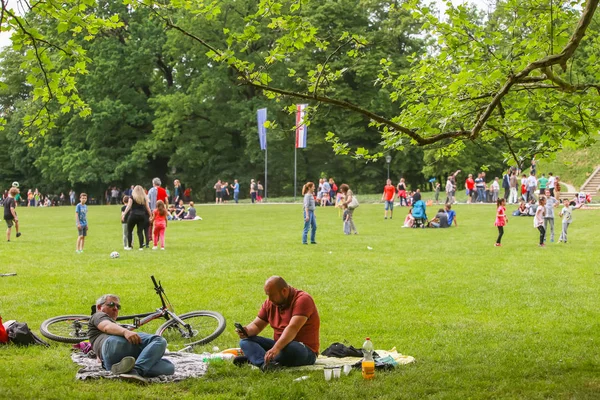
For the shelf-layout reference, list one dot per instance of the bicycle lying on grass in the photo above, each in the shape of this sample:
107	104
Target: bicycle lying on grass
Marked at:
182	332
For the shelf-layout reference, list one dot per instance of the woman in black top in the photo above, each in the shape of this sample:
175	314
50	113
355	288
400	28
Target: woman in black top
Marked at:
139	214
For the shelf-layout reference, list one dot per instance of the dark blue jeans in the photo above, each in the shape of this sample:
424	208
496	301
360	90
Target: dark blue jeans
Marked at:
148	354
292	355
236	196
312	224
480	194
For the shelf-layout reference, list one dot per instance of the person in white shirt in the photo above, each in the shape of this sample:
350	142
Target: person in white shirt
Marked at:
531	186
551	183
449	189
495	190
551	203
567	217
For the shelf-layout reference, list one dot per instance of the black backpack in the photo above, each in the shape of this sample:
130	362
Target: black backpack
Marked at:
20	334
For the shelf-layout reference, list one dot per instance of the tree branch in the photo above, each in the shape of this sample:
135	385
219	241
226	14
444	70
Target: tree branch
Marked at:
554	59
325	64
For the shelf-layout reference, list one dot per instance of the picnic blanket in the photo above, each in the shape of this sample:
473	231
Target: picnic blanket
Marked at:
323	361
187	365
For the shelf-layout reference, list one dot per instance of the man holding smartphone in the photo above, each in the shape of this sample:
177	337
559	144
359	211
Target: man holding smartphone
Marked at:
295	321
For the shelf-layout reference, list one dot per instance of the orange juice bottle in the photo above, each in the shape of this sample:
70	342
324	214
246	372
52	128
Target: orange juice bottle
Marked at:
368	364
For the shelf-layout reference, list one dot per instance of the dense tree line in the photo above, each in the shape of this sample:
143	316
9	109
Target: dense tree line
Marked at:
160	107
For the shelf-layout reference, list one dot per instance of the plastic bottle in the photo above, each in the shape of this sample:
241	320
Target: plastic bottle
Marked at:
368	364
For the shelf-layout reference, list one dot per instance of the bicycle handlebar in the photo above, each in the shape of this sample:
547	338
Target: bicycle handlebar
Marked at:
159	290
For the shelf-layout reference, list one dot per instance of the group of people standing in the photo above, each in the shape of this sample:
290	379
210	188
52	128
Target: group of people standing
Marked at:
347	202
222	192
478	190
148	213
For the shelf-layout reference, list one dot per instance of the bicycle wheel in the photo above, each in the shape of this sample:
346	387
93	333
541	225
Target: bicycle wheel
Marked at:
66	328
205	326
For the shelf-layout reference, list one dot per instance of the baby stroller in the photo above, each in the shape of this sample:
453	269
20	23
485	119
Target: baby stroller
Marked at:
418	212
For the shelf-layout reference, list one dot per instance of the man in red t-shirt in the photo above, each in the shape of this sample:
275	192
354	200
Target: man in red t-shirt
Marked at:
470	185
295	321
389	191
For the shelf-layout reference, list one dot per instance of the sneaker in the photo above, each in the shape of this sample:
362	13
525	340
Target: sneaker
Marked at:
127	248
551	240
142	248
134	376
270	367
18	234
304	243
498	244
542	245
162	248
77	251
313	242
240	361
384	217
124	366
154	248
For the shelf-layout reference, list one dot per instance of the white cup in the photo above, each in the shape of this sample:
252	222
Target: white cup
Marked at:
347	369
337	372
328	373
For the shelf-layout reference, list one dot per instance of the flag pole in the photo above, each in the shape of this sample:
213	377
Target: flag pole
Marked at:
295	166
266	173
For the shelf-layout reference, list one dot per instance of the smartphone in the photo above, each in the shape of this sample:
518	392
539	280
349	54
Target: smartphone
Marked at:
240	328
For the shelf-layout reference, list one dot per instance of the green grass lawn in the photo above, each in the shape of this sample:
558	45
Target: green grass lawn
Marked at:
483	322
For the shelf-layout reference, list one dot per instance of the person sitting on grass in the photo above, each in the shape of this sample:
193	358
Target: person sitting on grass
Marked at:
451	215
521	211
293	315
134	356
440	220
532	208
409	220
180	210
172	212
191	212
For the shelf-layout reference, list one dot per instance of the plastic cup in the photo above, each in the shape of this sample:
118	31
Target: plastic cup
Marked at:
328	372
347	369
337	371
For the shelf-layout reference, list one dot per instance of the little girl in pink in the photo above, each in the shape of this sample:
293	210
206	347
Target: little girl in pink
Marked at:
159	218
501	219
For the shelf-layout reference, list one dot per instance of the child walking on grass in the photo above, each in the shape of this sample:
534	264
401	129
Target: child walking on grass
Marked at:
10	215
538	220
159	219
81	219
501	219
567	217
346	219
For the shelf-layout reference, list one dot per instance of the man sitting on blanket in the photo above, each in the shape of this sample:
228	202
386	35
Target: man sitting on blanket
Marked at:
131	355
295	321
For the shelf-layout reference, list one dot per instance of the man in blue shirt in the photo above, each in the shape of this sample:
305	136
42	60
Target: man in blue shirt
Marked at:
81	219
236	190
451	215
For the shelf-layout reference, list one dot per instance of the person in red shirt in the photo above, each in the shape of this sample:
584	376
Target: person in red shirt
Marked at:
470	185
295	321
388	196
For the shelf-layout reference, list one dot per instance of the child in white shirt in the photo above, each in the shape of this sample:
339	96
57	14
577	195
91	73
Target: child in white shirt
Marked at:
567	217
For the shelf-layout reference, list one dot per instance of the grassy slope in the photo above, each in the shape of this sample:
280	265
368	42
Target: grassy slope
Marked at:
483	322
573	166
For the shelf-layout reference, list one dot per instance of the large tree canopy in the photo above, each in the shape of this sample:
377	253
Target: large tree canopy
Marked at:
159	76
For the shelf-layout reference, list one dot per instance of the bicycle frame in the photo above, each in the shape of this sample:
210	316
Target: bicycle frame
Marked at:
164	311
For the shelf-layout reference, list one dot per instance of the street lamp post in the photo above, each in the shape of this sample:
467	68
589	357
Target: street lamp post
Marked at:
388	160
